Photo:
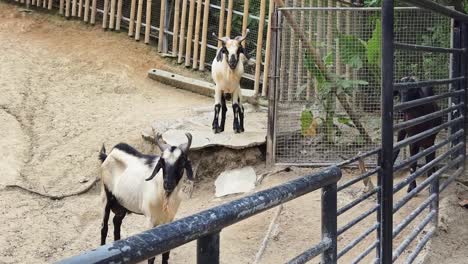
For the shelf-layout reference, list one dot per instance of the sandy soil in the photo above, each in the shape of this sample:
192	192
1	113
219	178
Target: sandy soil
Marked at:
66	88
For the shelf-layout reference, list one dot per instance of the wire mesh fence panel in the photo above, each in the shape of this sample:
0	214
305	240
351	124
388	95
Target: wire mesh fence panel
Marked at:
328	108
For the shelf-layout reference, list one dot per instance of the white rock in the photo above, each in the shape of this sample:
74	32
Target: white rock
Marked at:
235	181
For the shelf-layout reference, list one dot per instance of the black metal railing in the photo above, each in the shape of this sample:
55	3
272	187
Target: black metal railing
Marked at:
450	161
205	227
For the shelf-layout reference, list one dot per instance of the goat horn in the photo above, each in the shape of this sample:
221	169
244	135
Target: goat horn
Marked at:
223	39
241	38
185	147
162	146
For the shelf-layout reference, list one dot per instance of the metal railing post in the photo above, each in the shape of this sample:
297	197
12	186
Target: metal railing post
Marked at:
208	249
386	174
463	84
329	222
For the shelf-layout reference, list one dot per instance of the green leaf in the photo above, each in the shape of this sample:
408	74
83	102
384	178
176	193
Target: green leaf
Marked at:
345	121
306	120
329	59
352	50
374	51
314	69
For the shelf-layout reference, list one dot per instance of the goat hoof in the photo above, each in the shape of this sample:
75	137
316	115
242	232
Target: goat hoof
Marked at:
411	187
217	130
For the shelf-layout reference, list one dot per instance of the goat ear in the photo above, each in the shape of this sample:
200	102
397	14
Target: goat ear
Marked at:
242	50
158	167
189	170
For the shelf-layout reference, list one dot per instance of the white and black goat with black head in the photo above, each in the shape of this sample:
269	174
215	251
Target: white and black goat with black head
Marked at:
227	70
149	185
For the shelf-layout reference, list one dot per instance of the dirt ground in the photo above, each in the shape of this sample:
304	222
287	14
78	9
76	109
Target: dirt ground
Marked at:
65	89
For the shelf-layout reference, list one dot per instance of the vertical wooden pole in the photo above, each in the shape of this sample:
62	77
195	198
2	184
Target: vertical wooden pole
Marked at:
182	31
80	7
148	20
267	49
206	14
49	6
188	47
131	24
86	11
245	18
300	55
33	3
138	22
338	68
175	38
162	26
73	12
229	18
348	31
258	56
44	3
112	14
196	41
38	3
119	15
93	12
28	4
284	33
311	30
292	55
61	4
221	21
105	14
67	8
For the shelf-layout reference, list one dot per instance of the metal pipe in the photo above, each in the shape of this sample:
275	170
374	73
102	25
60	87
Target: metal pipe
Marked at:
357	179
438	8
357	219
208	249
329	222
425	118
451	179
386	175
427	151
425	168
425	100
412	236
419	247
312	252
365	253
166	237
406	46
357	201
341	8
356	241
358	157
422	185
411	216
420	84
426	133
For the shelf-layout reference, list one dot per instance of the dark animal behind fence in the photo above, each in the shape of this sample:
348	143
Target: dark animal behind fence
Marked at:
411	94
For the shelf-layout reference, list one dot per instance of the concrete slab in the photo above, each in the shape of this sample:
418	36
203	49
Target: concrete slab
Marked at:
198	123
235	181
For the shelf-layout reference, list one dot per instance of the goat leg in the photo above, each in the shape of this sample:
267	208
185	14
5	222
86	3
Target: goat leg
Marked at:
401	136
236	125
105	222
117	224
223	112
241	118
414	149
165	257
216	128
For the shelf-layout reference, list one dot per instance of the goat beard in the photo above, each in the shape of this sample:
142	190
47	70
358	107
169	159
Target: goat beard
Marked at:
166	201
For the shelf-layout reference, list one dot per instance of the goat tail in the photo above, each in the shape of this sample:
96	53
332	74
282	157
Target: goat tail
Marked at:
102	154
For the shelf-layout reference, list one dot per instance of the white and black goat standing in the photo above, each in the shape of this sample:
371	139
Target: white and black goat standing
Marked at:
227	70
148	185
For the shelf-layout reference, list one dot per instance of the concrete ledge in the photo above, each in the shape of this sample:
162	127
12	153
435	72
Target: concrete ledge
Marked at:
197	86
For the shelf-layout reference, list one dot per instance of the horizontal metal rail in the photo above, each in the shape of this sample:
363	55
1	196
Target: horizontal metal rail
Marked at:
405	222
450	179
413	235
312	252
342	8
426	182
425	118
166	237
420	84
358	157
434	130
425	168
357	220
419	247
356	241
426	100
406	46
364	253
359	178
427	151
357	201
438	8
